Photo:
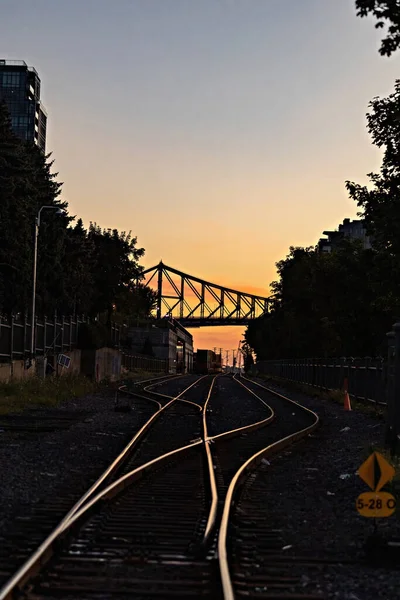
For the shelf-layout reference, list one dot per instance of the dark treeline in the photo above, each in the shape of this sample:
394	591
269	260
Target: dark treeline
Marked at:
343	303
336	304
81	270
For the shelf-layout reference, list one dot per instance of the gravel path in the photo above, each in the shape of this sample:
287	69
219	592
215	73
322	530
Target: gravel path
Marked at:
310	493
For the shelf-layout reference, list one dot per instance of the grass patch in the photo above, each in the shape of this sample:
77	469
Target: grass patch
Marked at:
336	396
19	394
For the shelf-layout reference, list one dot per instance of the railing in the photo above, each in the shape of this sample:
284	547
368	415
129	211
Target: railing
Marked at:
366	376
135	362
13	63
53	336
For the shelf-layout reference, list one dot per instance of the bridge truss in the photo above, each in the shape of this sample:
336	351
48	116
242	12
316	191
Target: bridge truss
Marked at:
196	303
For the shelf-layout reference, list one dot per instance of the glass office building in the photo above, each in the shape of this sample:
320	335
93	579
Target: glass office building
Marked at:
20	91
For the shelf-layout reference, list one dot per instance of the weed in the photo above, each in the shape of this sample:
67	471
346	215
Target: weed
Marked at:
17	395
20	394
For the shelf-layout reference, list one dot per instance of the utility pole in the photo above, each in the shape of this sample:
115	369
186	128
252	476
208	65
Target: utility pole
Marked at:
59	211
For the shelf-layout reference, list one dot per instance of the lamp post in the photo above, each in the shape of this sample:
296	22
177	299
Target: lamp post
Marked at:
37	225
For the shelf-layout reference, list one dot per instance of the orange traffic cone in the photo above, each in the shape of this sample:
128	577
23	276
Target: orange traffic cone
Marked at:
347	404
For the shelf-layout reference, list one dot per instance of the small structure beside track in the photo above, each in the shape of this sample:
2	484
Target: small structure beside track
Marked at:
169	341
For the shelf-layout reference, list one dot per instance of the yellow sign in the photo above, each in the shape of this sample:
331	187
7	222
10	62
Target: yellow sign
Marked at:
376	471
376	504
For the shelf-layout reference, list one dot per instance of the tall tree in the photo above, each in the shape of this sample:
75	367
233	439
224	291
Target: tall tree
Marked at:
78	267
323	305
52	233
79	271
116	266
386	12
26	184
15	252
380	203
135	302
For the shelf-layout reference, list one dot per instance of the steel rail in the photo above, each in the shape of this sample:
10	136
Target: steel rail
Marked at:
179	400
44	551
161	377
124	481
227	586
212	517
146	389
212	514
246	428
123	390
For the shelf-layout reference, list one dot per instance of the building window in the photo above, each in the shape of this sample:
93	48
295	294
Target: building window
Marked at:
19	121
11	79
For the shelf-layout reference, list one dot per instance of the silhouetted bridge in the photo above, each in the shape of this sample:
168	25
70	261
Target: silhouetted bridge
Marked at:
212	304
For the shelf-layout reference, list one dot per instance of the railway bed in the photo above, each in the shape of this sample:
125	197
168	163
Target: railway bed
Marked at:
99	433
153	532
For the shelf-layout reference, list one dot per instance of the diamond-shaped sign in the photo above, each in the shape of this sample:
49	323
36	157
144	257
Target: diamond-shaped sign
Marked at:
376	471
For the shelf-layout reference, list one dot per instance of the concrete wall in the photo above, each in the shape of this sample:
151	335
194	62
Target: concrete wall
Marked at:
74	366
104	363
108	364
97	364
15	369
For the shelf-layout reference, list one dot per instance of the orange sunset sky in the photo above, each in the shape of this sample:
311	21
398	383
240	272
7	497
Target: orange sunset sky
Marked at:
219	131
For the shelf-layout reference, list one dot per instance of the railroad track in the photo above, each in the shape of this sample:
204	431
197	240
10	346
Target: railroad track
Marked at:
152	529
30	528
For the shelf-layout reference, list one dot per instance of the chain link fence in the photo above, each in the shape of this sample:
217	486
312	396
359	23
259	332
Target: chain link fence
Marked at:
366	377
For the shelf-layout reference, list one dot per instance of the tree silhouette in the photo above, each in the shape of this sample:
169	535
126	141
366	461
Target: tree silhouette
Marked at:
92	271
386	12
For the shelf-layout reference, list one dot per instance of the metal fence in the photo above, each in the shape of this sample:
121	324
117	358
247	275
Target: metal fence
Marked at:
135	362
366	376
53	336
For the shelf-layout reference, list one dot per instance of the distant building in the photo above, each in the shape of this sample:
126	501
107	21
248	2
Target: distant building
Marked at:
169	341
354	230
20	91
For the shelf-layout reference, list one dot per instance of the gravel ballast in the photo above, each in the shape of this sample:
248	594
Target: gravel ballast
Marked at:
55	453
88	434
310	492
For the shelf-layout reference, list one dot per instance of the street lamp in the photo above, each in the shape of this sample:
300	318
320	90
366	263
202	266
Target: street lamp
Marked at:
37	225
